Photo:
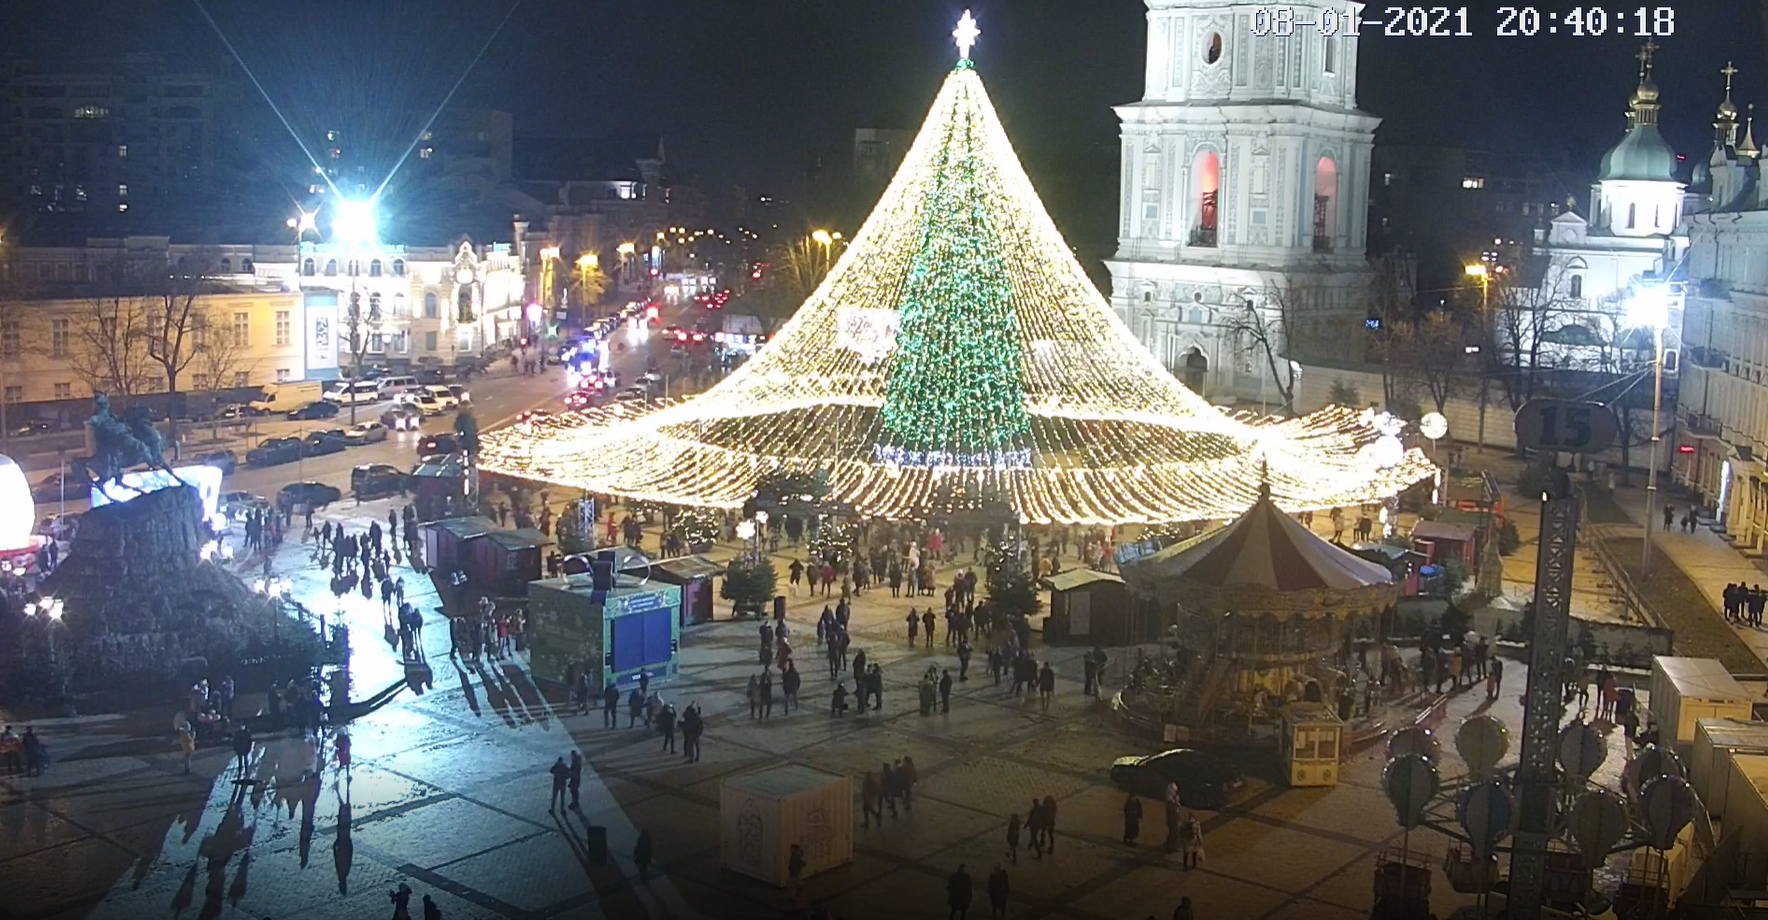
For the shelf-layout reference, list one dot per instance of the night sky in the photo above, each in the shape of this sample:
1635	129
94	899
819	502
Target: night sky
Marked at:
749	91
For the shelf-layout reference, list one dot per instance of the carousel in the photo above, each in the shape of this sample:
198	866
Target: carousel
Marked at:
1264	610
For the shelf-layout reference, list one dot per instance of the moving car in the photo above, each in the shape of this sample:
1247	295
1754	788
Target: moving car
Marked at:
365	433
360	393
274	451
422	402
1203	781
309	494
651	379
403	418
462	395
378	479
224	460
330	441
632	394
437	445
314	411
579	399
443	395
50	490
286	397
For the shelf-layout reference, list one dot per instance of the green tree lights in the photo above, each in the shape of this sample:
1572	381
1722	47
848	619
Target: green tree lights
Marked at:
955	392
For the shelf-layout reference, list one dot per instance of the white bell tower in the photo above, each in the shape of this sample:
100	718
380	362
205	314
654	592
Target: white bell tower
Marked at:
1245	181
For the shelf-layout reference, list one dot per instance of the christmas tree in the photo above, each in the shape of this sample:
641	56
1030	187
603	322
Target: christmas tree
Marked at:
955	393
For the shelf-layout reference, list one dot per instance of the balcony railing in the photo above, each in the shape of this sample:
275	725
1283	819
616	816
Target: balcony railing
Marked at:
1202	236
1322	243
1703	426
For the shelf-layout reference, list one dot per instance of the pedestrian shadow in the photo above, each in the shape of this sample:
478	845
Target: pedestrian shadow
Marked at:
500	700
466	689
529	695
616	893
343	847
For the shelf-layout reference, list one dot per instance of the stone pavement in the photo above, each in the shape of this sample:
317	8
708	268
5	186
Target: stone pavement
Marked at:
447	793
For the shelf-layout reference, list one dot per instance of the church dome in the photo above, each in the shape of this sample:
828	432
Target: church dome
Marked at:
1728	110
1646	93
1643	155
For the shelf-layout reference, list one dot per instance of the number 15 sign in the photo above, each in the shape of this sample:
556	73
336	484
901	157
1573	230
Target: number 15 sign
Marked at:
1566	425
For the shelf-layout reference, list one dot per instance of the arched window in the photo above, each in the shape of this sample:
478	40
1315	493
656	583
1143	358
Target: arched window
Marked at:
1196	367
307	268
374	307
398	268
430	311
1329	60
355	268
398	306
465	313
1577	287
226	266
331	268
1325	204
245	265
374	268
1206	184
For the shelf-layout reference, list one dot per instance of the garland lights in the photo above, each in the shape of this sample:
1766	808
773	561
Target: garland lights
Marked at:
987	357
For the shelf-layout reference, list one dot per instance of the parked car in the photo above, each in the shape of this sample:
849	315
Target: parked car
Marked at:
309	494
51	489
632	394
462	395
318	410
60	526
31	427
651	379
424	403
378	479
236	505
430	375
224	460
365	433
320	443
274	451
1203	781
403	418
437	445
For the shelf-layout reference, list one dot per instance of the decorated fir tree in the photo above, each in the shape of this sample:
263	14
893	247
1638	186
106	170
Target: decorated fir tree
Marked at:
955	392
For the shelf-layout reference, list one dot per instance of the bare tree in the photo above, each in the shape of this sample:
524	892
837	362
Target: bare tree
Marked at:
1432	350
1267	329
21	333
174	310
104	341
1390	306
357	336
794	270
1516	340
219	357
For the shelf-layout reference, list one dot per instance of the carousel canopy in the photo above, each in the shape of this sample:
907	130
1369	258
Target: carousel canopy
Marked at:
1265	548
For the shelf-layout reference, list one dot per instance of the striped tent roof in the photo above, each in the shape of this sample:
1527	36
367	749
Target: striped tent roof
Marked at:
1265	548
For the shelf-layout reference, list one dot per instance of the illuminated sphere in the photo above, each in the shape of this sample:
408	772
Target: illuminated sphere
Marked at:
18	513
1433	425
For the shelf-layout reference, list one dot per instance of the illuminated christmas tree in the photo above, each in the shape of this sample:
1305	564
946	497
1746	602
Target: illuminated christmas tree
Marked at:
958	350
955	390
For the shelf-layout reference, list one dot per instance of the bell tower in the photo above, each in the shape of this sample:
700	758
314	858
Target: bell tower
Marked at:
1244	187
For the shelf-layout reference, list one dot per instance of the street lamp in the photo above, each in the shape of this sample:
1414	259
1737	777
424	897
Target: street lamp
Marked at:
355	223
1648	305
1483	273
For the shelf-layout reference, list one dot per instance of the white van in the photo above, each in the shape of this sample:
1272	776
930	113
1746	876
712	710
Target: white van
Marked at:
278	398
359	393
392	387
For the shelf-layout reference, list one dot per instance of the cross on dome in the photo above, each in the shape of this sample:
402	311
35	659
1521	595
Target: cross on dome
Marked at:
966	35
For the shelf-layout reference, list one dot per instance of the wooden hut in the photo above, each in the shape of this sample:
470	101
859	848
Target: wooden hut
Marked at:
1087	606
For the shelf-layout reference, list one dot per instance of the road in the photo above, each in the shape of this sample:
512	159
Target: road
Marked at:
498	397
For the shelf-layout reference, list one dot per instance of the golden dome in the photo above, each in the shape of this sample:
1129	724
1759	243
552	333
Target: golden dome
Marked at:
1646	93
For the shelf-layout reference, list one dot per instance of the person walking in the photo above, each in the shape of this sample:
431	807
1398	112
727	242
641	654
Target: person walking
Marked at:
790	682
1183	911
401	898
871	800
1132	819
1013	838
242	748
611	706
964	653
945	690
692	726
914	620
927	622
186	743
1034	822
998	889
795	575
957	894
575	784
1494	677
1046	686
666	727
766	694
641	855
1172	818
561	778
635	708
753	695
1191	840
875	686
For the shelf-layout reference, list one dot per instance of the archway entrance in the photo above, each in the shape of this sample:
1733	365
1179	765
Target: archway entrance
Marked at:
1195	369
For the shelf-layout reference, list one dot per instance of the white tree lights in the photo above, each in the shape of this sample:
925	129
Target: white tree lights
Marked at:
1109	436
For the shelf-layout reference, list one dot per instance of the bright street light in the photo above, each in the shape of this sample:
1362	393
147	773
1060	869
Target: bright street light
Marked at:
627	249
354	222
823	237
1648	306
1475	271
588	261
550	252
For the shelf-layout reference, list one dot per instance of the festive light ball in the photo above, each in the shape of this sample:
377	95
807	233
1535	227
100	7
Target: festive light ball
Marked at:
17	511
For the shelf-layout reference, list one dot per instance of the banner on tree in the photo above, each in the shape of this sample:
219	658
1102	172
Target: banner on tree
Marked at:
869	332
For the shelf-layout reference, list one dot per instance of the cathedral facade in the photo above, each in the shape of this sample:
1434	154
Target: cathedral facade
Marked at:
1244	197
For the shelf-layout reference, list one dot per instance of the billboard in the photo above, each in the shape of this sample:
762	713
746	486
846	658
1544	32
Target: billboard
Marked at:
321	309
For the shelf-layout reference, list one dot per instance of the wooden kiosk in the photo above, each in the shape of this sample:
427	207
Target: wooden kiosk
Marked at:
1310	741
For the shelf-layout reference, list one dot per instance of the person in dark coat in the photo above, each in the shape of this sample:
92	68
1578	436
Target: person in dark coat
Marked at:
1132	819
875	686
611	706
641	855
576	781
945	690
998	890
242	747
957	894
561	777
1013	838
692	725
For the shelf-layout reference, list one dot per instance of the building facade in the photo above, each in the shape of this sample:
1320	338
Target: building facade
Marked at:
1245	188
1722	412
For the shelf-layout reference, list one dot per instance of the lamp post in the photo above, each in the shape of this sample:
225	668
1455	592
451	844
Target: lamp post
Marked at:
1649	305
1484	275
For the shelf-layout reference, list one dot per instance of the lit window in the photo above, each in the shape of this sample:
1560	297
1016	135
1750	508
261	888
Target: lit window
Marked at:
284	375
282	327
122	190
122	151
1387	178
425	153
79	193
1474	182
58	338
242	329
122	206
64	391
10	345
242	378
92	111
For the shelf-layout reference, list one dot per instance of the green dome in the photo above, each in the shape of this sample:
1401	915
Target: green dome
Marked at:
1642	155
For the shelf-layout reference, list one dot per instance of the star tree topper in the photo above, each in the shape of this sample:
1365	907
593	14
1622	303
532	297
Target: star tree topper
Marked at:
966	35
